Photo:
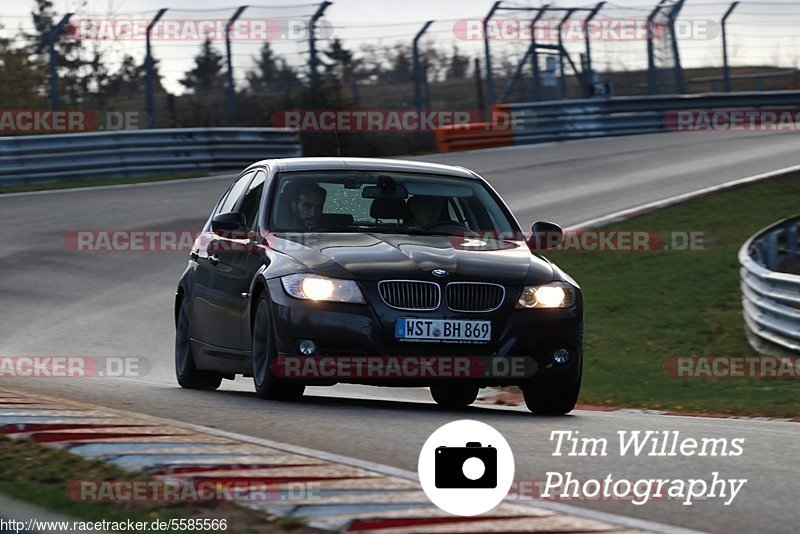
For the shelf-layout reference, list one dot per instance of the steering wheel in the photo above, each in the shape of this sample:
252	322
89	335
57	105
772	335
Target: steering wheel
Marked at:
444	225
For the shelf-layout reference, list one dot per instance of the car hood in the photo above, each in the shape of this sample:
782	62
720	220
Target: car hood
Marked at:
374	256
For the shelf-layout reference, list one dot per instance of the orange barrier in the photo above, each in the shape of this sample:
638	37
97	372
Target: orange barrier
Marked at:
476	135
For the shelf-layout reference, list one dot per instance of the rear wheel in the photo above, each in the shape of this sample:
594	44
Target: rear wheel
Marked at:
549	400
188	375
268	385
454	396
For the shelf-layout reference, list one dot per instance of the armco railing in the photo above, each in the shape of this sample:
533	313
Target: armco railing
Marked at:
139	153
473	136
560	120
770	282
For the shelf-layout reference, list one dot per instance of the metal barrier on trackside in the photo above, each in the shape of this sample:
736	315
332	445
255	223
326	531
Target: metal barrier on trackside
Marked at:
473	136
561	120
770	282
139	153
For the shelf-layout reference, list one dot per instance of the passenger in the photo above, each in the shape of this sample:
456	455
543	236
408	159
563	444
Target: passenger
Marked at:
427	210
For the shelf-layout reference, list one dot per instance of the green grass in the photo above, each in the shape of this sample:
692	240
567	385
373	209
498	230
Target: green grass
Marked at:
40	475
642	308
72	184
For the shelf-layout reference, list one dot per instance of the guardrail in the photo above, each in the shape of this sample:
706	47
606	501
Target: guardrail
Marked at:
472	136
770	282
561	120
139	153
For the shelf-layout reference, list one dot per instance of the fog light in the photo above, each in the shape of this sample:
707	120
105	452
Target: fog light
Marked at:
307	347
561	356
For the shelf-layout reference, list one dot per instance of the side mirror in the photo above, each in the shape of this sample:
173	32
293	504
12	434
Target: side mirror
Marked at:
229	223
545	235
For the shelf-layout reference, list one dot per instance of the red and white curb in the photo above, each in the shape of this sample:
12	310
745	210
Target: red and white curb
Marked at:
351	496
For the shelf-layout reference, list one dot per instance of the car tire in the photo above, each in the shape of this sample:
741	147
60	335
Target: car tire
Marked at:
454	396
187	373
264	352
548	400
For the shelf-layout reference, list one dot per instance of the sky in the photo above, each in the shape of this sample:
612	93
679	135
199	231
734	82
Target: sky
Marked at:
760	31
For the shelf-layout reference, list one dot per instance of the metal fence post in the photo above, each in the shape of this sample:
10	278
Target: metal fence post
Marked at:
726	75
588	77
651	62
793	245
51	45
770	251
417	69
479	85
562	81
426	87
488	54
231	87
312	49
680	86
537	77
148	65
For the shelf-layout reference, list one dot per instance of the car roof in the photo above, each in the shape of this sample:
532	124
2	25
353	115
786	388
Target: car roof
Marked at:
365	164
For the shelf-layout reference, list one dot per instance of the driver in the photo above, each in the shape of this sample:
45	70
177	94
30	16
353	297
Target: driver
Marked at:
426	210
307	206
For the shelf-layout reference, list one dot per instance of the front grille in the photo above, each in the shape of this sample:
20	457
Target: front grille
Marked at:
410	294
474	296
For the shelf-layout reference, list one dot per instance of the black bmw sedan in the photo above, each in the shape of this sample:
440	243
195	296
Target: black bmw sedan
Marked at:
383	272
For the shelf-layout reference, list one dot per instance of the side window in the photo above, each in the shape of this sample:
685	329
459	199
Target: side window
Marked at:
235	193
252	199
207	226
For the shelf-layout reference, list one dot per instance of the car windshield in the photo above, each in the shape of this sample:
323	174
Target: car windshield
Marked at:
334	201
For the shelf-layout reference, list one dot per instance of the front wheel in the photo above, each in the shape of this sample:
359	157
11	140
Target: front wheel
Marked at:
549	400
268	385
188	375
454	396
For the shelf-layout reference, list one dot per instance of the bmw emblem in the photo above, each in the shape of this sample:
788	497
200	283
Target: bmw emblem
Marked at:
439	272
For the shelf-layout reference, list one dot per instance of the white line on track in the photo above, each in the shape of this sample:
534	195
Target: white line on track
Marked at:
683	197
117	186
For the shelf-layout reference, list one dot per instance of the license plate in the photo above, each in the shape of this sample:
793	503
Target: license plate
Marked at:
415	329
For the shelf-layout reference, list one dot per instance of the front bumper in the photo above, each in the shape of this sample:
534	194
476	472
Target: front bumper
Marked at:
520	352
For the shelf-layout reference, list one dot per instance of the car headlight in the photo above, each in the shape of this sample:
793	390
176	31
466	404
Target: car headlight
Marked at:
552	295
314	287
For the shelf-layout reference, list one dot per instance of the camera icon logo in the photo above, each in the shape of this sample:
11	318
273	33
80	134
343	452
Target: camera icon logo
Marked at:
462	476
472	466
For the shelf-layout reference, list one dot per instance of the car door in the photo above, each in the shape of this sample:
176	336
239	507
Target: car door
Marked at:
205	298
234	268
